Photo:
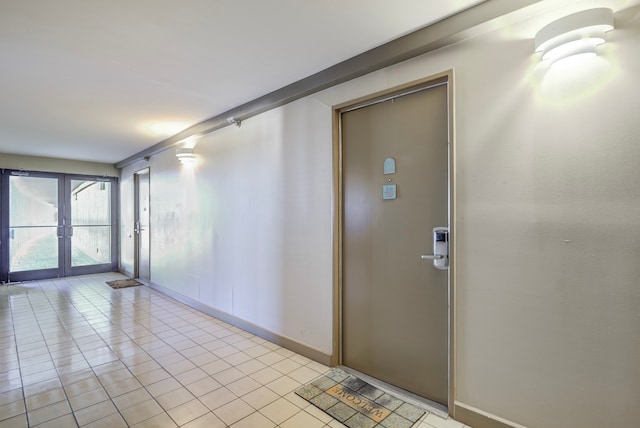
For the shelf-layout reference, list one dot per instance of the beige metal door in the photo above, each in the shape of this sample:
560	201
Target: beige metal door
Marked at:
394	304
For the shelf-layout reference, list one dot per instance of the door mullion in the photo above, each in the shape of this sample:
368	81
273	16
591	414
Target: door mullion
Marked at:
62	222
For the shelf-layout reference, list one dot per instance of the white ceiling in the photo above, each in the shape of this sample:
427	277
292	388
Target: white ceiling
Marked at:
84	79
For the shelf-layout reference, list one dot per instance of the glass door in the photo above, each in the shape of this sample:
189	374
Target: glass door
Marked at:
34	232
55	225
88	226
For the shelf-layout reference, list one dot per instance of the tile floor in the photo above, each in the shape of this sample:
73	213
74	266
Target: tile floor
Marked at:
74	352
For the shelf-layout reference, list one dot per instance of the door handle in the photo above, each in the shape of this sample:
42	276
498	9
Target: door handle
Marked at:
440	254
432	257
136	227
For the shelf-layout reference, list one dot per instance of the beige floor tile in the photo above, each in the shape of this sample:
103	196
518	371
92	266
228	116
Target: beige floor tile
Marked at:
95	412
143	368
336	424
66	421
203	359
232	412
225	351
191	376
300	359
302	419
438	422
243	386
266	375
260	397
187	412
159	421
203	386
317	367
271	358
19	421
115	376
11	396
228	376
111	421
175	398
298	401
12	409
153	376
255	420
108	367
39	377
250	366
284	385
280	410
77	376
303	375
237	358
82	387
141	412
180	367
88	399
216	366
164	386
217	398
257	351
45	399
47	413
132	398
208	420
122	387
318	414
37	368
286	366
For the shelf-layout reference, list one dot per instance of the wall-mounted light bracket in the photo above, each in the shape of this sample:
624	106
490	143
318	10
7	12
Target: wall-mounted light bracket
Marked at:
576	34
233	121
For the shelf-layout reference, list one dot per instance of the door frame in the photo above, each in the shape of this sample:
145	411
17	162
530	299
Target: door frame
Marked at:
338	213
136	218
65	267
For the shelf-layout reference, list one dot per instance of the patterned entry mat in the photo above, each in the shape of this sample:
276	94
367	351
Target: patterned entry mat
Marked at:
123	283
357	404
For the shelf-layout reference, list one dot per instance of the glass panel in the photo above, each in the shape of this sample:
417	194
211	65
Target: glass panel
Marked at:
33	221
91	245
91	221
33	248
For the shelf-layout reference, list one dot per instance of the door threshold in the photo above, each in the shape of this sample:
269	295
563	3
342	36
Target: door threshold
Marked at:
424	403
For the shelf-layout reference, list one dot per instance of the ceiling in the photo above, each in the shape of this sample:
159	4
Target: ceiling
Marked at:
89	80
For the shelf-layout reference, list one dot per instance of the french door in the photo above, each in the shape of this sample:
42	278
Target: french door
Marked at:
55	225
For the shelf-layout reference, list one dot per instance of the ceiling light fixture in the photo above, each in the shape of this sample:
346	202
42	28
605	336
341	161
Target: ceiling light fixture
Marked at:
576	34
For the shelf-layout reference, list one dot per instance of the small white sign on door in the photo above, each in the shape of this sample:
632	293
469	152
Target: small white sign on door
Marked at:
389	191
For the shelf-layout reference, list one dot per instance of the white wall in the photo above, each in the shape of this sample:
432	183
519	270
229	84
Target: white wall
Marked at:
248	230
548	229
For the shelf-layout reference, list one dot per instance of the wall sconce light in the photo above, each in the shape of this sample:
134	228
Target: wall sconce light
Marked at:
186	156
576	34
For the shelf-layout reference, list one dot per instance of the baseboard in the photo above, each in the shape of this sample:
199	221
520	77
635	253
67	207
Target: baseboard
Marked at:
477	418
285	342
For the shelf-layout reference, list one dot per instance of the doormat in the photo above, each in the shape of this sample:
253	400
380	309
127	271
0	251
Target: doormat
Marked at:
123	283
357	404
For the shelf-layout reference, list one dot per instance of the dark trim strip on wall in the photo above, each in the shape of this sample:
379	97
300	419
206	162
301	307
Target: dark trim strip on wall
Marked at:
476	418
285	342
442	33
